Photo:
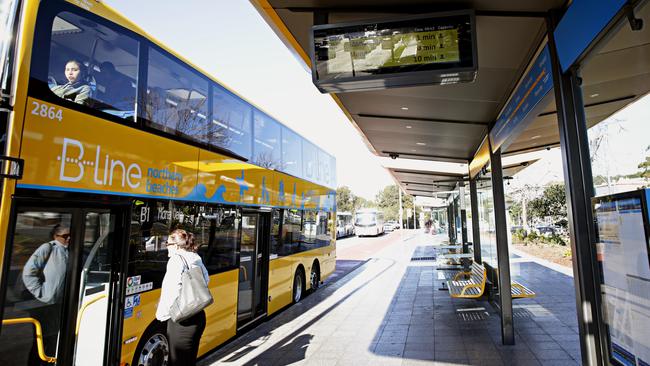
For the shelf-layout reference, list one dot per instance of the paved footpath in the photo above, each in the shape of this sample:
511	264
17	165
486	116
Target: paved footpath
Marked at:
389	311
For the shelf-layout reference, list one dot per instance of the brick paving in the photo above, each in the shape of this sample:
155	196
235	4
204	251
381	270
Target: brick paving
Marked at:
389	311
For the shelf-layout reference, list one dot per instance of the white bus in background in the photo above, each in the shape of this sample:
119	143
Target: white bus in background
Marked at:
368	222
344	224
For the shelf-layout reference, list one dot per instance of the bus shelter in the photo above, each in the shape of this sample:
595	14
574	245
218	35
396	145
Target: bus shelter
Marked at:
545	72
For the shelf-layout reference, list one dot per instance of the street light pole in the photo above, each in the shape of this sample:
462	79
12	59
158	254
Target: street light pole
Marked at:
401	223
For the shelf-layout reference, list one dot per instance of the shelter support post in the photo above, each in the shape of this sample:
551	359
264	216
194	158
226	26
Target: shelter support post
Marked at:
476	232
503	255
574	144
463	215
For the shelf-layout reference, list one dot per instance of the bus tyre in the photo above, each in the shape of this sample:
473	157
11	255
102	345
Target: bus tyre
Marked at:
298	285
153	349
314	277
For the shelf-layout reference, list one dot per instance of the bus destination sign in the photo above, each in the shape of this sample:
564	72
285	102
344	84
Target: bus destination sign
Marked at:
427	49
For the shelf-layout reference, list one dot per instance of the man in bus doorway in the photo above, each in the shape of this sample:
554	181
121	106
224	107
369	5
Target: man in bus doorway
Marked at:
44	277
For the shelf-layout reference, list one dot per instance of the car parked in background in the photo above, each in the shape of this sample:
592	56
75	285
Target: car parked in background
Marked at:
388	227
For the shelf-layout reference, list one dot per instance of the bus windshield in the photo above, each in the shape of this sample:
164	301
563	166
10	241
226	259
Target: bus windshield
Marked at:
366	219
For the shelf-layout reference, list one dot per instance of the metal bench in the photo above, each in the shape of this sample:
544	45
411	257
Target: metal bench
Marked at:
471	285
520	291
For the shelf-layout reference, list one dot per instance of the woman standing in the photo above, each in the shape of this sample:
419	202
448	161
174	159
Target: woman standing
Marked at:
185	335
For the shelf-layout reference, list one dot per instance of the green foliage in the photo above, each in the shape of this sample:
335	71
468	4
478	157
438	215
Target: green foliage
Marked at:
552	203
348	201
344	199
388	201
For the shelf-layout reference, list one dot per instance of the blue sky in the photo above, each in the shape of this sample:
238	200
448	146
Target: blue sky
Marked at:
230	41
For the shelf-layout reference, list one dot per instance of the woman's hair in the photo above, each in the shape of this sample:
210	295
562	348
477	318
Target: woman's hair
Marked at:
58	229
81	66
186	240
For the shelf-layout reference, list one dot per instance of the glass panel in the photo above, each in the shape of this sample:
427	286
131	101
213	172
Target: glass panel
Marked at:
324	167
94	295
176	99
93	65
323	229
266	150
36	282
218	234
309	161
247	265
291	232
231	123
291	153
487	226
332	183
309	230
276	239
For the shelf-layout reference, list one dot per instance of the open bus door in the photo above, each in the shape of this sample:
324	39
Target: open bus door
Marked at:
62	287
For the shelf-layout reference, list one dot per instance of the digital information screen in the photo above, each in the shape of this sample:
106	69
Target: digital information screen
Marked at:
622	254
426	49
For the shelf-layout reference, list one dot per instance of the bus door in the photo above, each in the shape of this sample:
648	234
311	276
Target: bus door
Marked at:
61	290
253	267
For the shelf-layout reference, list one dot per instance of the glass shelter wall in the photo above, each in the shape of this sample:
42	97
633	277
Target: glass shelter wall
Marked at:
487	226
616	74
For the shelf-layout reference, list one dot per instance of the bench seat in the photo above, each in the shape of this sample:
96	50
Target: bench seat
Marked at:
520	291
471	285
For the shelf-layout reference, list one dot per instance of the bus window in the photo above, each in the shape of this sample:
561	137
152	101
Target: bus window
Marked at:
309	229
106	64
291	231
323	168
219	234
266	150
309	161
231	123
276	238
176	98
291	153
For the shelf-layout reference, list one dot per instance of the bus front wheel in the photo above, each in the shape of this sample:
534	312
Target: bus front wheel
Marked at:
298	285
153	349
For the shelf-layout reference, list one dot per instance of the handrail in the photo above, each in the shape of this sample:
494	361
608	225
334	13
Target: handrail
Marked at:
39	336
83	309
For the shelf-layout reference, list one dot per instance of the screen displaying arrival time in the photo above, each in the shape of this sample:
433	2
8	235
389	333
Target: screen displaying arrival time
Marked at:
435	43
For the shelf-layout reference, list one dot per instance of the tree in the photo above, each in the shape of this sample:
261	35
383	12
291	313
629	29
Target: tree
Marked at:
644	167
348	201
388	201
552	203
345	199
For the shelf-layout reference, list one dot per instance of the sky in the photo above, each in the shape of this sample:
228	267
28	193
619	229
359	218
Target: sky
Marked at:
230	41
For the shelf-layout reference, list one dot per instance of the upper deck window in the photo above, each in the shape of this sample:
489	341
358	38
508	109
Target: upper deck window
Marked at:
231	123
266	150
291	153
93	65
176	98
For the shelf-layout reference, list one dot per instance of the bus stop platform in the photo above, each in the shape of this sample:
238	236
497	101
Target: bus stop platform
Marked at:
390	311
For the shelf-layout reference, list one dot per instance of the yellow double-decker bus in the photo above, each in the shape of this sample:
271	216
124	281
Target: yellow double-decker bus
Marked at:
111	141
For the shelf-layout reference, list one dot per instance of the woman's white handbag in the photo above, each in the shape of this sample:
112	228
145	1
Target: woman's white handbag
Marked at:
194	296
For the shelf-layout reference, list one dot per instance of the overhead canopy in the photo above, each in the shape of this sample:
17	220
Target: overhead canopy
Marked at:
426	183
448	122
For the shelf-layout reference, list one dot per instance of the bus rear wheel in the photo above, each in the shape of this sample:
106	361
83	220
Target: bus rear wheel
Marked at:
298	281
314	277
153	349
